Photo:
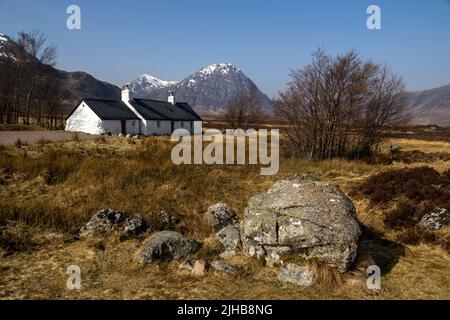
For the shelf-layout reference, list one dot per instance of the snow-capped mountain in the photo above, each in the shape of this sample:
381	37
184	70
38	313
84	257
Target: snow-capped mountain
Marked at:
208	90
3	40
148	83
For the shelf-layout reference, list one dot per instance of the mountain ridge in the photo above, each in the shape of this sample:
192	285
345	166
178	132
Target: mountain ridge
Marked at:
431	106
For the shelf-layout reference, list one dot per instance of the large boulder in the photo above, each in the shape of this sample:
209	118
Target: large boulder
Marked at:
302	216
107	221
220	215
166	246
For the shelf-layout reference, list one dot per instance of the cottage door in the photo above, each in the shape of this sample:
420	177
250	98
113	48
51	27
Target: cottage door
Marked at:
123	127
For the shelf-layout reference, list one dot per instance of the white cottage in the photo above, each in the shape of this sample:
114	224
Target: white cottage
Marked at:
132	116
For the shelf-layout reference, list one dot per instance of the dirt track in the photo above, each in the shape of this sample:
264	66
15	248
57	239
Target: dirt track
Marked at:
33	136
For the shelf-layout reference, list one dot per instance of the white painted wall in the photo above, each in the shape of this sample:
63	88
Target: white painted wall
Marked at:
163	129
143	122
83	119
115	126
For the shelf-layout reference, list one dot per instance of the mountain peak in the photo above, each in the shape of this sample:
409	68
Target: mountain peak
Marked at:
3	38
223	68
151	82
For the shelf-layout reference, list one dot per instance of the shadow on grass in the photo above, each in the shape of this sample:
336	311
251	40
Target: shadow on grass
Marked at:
374	249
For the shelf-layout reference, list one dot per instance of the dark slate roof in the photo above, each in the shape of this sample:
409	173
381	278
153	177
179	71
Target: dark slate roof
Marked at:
162	110
110	109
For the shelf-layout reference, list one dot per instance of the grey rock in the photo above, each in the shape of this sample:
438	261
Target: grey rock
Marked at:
230	237
222	266
220	215
108	221
167	246
298	275
273	257
312	218
165	220
436	219
394	149
186	265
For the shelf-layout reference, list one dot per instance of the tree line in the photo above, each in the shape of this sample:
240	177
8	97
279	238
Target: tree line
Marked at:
29	88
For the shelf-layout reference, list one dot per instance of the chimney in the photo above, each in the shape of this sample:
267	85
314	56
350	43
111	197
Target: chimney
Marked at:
127	94
171	98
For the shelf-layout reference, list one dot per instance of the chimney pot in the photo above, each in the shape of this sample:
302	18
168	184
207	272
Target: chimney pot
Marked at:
171	98
127	94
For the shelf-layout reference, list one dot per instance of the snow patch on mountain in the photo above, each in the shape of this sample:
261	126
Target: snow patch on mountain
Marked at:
154	82
223	68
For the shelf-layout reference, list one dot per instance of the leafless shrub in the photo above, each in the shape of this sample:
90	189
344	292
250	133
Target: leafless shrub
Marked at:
340	106
244	110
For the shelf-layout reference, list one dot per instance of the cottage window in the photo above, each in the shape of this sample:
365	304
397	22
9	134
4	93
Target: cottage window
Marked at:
133	123
158	124
182	124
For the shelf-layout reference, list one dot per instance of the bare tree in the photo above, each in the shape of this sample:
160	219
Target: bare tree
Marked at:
338	106
37	55
244	110
24	65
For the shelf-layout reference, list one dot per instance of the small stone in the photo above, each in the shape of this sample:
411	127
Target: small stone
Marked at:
273	255
230	237
165	220
167	246
108	220
298	275
220	215
186	265
222	266
199	269
435	220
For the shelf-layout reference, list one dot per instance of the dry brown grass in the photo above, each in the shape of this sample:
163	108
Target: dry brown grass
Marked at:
51	189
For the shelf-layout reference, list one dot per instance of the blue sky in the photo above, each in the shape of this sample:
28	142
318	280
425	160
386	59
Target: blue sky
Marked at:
120	40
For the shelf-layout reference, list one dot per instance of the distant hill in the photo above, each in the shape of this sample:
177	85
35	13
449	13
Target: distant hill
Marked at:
75	85
208	90
430	106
